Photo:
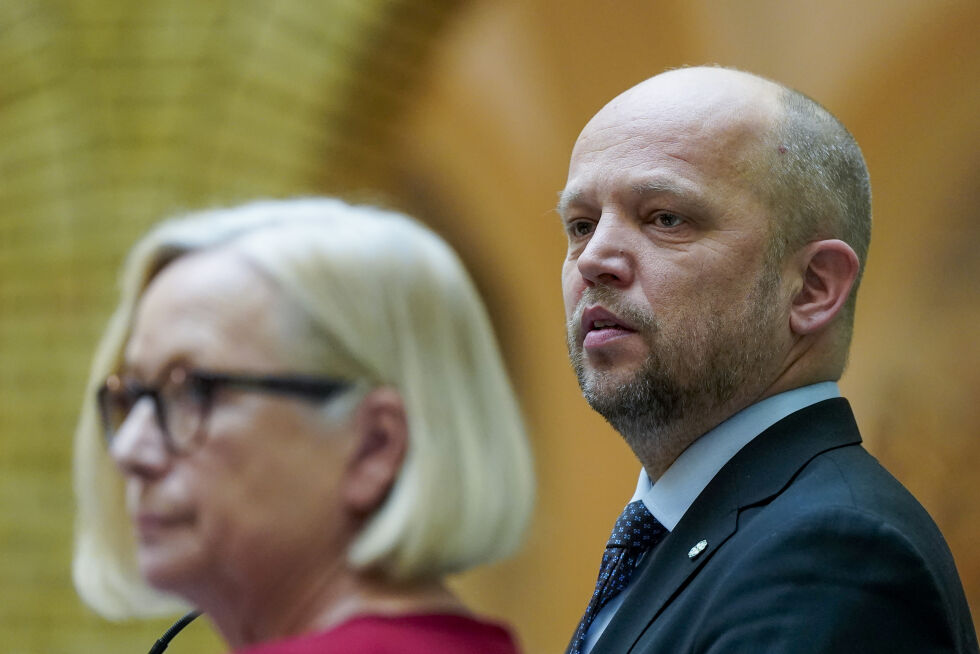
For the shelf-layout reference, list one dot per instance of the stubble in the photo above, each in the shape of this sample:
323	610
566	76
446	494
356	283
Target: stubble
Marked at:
697	367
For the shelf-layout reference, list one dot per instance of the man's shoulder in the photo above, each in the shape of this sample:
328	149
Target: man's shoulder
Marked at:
850	477
839	482
842	539
837	496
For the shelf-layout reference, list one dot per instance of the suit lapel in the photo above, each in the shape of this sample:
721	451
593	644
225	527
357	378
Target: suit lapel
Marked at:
762	469
665	570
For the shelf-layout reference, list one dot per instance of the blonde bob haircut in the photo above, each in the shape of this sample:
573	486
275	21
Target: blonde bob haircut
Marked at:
384	302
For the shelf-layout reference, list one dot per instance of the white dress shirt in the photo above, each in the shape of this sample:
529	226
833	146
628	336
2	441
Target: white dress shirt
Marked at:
670	498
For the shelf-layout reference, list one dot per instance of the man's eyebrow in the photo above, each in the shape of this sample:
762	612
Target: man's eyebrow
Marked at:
687	197
641	188
658	187
567	198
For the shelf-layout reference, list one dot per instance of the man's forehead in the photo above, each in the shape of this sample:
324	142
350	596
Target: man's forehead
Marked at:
645	125
705	98
701	86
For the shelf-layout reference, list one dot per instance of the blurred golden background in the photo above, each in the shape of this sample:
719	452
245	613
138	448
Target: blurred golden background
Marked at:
114	113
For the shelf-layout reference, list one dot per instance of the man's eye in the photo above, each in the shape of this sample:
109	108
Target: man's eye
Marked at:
579	228
665	219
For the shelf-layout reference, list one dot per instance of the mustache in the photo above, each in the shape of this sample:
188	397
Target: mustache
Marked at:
612	300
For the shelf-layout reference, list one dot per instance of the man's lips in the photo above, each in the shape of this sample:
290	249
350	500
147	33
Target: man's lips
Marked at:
599	326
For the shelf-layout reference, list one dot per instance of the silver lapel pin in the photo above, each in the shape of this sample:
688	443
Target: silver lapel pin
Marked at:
697	549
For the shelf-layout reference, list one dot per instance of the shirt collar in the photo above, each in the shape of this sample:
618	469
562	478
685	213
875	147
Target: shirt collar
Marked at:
670	498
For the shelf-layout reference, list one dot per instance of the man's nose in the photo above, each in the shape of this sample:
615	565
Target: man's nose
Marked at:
607	257
138	446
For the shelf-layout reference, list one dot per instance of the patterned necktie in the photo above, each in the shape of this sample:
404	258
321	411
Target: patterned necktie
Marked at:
635	532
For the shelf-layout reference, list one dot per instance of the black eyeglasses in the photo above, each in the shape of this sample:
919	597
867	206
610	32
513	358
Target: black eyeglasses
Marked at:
183	401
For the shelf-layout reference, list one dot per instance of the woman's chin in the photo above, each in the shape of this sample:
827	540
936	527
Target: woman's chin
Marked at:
171	569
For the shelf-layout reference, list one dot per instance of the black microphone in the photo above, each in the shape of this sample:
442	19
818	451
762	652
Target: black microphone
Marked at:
169	634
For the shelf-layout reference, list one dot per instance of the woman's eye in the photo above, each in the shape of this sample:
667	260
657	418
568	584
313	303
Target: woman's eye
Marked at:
123	400
127	395
196	390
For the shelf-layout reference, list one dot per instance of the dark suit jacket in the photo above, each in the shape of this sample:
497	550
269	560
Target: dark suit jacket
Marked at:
812	546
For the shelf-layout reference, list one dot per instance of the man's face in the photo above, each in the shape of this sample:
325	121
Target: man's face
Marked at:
673	310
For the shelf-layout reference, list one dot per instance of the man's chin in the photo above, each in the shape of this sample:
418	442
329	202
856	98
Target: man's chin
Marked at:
603	379
603	384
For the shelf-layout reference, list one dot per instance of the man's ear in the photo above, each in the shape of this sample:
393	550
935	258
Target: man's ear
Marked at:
829	269
381	433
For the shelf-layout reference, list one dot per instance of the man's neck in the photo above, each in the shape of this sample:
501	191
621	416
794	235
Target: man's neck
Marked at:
657	450
722	441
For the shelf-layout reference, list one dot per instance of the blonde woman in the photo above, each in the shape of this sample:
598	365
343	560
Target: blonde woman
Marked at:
298	422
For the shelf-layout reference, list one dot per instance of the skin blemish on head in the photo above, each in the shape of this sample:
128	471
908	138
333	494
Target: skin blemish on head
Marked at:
783	149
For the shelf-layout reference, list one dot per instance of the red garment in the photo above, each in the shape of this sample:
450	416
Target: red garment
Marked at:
403	634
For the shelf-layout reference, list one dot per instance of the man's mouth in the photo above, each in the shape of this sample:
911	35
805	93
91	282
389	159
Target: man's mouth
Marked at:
603	324
599	326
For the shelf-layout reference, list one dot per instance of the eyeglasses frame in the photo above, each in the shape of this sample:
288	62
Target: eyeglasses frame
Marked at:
208	382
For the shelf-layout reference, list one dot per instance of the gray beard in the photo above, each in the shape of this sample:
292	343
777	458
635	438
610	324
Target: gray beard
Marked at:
688	379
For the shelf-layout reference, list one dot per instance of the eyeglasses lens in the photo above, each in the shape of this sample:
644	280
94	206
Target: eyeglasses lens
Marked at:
115	403
178	408
183	407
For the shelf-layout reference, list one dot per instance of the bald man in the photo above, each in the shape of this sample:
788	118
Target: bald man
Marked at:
717	226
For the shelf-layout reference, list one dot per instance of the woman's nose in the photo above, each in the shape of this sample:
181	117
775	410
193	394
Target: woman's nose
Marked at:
138	446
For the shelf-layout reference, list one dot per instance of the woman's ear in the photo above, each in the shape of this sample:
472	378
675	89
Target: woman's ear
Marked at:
830	268
381	433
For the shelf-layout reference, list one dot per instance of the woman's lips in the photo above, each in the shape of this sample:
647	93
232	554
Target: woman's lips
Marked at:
148	524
